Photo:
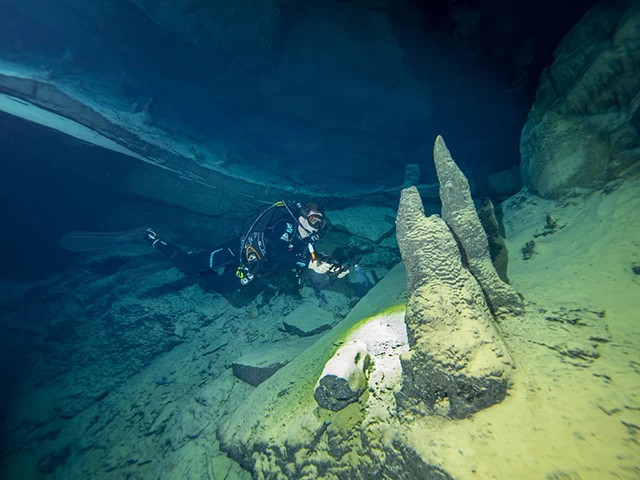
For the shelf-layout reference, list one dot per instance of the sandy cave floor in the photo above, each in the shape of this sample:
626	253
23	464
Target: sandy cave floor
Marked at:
567	417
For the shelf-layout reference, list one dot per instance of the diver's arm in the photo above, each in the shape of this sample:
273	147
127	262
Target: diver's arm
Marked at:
281	250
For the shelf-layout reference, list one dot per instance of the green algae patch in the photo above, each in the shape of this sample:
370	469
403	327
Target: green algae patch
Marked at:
282	412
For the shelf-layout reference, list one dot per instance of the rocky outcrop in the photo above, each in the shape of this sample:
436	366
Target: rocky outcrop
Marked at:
582	131
259	364
459	212
457	363
308	320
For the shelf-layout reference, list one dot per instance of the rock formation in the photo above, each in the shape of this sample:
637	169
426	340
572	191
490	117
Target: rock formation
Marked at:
457	363
497	245
582	131
460	215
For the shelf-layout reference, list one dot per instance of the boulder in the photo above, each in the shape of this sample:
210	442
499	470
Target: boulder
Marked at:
258	365
344	378
582	131
308	320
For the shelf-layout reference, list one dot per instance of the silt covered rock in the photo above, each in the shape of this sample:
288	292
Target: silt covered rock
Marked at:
459	213
343	379
457	363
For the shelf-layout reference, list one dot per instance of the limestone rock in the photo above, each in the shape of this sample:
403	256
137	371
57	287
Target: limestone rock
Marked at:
497	245
343	379
258	365
364	221
308	320
460	215
582	131
457	363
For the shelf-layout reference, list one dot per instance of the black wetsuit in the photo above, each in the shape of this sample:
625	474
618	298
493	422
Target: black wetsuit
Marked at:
283	245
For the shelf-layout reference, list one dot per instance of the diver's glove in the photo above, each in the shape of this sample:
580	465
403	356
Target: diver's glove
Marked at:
319	266
338	270
343	273
324	268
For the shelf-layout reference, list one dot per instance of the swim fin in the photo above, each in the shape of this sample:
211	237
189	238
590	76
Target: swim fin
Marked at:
81	241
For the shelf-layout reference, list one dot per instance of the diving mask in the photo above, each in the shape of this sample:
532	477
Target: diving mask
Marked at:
316	221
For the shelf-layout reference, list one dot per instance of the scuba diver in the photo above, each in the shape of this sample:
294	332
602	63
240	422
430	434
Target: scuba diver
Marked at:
283	235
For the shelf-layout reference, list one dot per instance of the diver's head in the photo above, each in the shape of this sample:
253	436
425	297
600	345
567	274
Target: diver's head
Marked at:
311	219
